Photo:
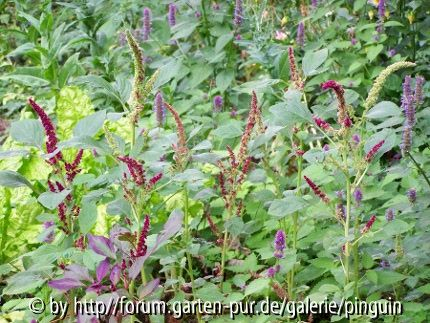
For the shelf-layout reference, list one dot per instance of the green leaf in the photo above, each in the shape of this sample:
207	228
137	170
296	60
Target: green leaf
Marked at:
89	126
424	289
222	41
29	132
312	60
184	29
385	277
10	178
257	86
209	293
232	129
257	286
25	79
87	217
51	200
383	110
390	139
224	79
286	206
199	73
373	52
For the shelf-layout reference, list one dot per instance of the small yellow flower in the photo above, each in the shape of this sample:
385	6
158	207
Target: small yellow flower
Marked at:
411	17
376	2
284	21
371	14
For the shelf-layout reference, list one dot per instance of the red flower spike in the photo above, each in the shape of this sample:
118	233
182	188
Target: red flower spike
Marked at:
322	123
141	245
317	190
372	152
51	136
368	225
339	91
135	168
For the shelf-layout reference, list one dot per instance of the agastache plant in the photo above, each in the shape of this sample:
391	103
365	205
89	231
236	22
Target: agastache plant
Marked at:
238	13
159	109
300	39
171	16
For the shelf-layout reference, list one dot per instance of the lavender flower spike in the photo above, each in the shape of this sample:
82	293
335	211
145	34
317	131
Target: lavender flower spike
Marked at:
358	195
412	195
159	109
146	23
418	95
218	103
238	13
389	215
301	34
381	10
279	244
172	15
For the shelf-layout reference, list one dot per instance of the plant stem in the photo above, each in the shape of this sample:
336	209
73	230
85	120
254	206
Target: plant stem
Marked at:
356	260
348	217
206	22
419	168
187	242
8	212
133	134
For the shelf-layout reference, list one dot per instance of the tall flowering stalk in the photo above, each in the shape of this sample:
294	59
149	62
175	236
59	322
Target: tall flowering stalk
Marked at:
51	136
300	39
159	109
342	114
317	190
232	175
146	20
238	13
181	149
171	16
294	74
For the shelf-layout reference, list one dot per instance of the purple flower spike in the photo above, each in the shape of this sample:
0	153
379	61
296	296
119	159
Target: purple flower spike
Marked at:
172	15
314	3
326	147
358	195
391	52
271	272
238	13
412	195
301	34
159	109
218	103
381	9
418	95
279	244
102	269
389	215
146	23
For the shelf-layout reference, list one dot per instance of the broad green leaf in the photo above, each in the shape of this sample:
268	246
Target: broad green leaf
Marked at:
29	132
224	79
257	286
373	51
384	109
312	60
183	29
232	129
199	73
10	178
286	206
87	217
51	200
222	41
89	126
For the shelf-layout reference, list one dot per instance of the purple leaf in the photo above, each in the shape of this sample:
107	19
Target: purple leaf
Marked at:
115	275
65	284
101	245
77	272
171	227
102	269
148	288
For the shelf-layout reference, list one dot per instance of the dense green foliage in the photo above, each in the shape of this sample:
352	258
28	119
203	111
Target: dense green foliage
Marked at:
161	159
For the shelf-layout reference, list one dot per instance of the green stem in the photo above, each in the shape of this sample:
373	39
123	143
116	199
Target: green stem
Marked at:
346	227
206	22
224	250
133	133
419	168
187	243
356	260
6	218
